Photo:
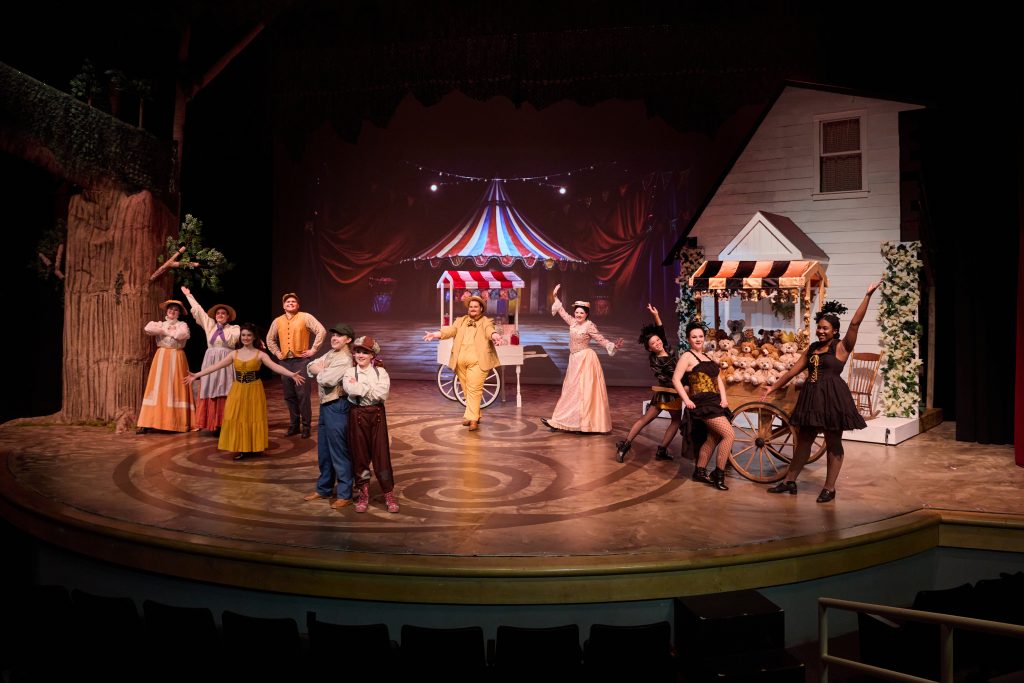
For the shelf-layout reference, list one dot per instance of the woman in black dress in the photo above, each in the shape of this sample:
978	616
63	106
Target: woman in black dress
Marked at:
825	403
663	361
699	384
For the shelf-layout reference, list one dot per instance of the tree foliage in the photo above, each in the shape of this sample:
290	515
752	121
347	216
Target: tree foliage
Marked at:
211	263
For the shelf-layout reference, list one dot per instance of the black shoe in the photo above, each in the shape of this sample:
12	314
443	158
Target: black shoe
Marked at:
305	433
826	496
718	480
292	431
662	454
548	425
784	487
622	447
240	456
142	430
701	474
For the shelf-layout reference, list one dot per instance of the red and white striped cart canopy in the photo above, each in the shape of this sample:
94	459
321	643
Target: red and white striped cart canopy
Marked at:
496	230
481	279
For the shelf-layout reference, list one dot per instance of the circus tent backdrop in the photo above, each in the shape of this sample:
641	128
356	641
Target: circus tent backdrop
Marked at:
497	230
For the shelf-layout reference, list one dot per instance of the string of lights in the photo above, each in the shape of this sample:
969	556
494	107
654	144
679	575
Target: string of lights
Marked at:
557	180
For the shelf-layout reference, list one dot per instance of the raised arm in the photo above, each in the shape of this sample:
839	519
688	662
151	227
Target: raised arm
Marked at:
851	331
558	309
197	310
654	313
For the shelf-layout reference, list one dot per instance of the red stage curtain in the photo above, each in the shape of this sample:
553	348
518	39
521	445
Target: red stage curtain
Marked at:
615	238
1018	393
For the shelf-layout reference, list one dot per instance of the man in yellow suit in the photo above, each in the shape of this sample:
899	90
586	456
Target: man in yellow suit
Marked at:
473	354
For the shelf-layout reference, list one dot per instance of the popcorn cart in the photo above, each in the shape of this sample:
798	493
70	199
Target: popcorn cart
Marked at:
501	290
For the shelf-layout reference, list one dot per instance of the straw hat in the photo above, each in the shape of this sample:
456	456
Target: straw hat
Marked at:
483	304
165	304
212	310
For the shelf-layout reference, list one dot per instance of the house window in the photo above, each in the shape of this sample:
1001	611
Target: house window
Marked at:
841	161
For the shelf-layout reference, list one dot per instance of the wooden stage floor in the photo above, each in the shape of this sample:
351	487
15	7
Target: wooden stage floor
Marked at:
512	513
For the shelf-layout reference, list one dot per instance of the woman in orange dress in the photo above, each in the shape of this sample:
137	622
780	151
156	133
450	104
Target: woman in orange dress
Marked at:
166	404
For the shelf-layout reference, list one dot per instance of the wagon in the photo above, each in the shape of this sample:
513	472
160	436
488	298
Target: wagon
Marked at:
765	440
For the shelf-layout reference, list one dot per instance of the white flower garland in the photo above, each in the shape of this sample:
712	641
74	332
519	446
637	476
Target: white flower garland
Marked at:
687	307
897	319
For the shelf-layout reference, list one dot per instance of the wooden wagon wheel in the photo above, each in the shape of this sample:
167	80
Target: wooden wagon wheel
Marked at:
765	442
492	386
446	382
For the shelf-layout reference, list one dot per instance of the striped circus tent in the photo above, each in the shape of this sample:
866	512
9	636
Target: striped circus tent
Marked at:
496	230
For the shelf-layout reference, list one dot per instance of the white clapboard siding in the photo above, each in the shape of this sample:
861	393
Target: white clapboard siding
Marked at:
776	173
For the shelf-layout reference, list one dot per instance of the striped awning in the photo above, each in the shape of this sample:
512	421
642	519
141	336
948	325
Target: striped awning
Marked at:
481	279
736	275
496	230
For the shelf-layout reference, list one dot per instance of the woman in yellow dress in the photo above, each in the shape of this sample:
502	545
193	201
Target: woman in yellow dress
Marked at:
245	429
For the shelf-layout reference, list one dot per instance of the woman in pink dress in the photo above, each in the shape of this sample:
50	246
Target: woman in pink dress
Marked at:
583	405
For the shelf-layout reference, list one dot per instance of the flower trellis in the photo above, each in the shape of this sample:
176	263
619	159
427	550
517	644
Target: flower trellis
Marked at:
900	329
687	305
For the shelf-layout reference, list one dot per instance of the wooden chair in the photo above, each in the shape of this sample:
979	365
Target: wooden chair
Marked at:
863	370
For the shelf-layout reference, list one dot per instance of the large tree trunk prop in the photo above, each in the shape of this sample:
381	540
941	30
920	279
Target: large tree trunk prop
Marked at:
108	298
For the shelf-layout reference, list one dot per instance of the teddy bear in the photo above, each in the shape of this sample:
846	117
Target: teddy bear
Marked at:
748	348
749	338
741	366
772	352
762	366
789	354
735	329
727	347
726	369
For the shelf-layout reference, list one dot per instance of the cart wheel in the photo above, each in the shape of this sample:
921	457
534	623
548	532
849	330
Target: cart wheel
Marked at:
764	442
446	382
492	385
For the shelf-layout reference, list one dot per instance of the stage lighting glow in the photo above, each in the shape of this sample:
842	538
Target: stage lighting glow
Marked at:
433	187
561	190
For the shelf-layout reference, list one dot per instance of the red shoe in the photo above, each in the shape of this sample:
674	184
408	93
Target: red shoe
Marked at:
363	498
389	500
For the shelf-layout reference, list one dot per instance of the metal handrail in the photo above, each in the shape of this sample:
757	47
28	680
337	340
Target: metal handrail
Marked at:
946	623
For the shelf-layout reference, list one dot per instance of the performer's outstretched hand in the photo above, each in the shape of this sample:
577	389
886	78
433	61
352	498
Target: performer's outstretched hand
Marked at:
872	287
431	336
186	291
619	342
557	287
652	310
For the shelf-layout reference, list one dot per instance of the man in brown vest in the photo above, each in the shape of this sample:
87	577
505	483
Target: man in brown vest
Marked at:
288	339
